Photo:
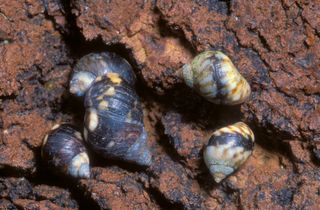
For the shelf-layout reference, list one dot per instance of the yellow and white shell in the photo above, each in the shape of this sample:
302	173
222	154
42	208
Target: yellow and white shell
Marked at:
213	75
227	149
92	67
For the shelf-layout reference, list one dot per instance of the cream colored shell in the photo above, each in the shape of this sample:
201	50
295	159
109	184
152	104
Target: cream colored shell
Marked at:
213	75
227	149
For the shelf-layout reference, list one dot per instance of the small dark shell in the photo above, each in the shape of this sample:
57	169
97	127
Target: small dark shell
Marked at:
64	152
227	149
94	65
114	121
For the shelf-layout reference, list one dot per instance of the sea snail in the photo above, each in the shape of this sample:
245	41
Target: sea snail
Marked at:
113	124
64	152
93	65
227	149
213	75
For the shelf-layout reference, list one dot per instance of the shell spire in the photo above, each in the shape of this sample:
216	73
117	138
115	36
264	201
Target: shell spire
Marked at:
213	75
113	124
94	65
64	152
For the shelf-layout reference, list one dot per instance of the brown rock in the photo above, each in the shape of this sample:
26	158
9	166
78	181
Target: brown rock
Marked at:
274	44
114	188
157	52
30	204
20	193
33	77
186	138
173	181
5	204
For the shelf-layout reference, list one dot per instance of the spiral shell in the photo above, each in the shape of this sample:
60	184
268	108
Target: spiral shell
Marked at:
113	125
114	121
64	152
213	75
94	65
227	149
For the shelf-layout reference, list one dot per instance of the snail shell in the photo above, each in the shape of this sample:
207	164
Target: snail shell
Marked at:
228	148
114	121
213	75
63	151
93	65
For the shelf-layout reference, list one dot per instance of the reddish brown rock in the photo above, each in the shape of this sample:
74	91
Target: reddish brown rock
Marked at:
277	33
156	51
30	204
176	184
34	70
20	193
186	138
274	44
284	86
60	12
114	188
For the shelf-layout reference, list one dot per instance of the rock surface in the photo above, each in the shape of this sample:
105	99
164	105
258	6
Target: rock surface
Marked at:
274	44
19	193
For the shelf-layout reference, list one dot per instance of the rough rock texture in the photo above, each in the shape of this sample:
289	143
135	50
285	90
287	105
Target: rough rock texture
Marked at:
34	67
114	188
17	193
274	44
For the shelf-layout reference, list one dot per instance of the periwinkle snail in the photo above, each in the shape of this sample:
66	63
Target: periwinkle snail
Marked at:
213	75
64	152
113	121
113	125
227	149
93	65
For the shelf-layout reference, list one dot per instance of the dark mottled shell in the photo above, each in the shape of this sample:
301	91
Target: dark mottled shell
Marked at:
114	121
94	65
213	75
227	149
64	152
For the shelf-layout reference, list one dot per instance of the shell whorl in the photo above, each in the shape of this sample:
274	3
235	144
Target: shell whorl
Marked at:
227	149
213	75
94	65
114	121
64	151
